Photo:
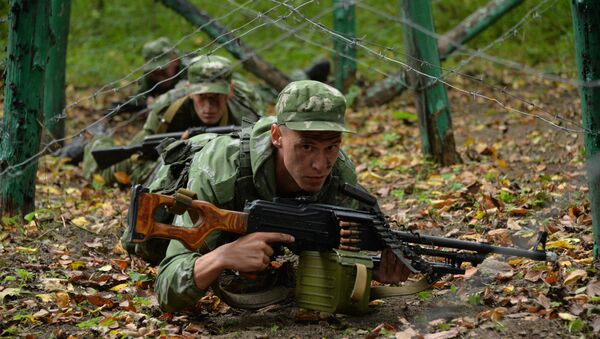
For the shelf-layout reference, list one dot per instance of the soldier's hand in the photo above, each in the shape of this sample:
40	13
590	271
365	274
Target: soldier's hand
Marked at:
252	252
391	270
185	135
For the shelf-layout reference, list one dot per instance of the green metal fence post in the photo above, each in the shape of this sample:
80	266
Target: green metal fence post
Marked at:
23	94
437	138
344	23
390	87
54	96
586	24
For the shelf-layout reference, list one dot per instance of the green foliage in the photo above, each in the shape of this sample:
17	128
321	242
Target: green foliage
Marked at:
398	194
139	277
24	275
576	325
31	215
94	322
424	295
475	299
498	326
404	116
506	197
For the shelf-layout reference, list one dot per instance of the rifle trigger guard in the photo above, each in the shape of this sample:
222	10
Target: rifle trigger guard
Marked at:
183	200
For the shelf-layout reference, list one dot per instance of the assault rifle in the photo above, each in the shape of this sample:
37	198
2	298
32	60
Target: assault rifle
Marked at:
316	227
106	157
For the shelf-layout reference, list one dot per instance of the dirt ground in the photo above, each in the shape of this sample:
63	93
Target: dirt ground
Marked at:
63	273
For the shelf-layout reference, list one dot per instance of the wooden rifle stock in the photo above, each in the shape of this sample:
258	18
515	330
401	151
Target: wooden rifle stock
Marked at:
142	225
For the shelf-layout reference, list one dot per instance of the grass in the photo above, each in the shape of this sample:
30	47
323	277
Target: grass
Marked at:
106	35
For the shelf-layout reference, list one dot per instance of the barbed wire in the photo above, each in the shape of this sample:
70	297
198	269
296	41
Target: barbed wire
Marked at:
102	90
358	43
294	31
27	162
309	22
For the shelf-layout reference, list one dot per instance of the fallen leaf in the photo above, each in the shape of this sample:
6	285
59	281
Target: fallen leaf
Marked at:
566	316
559	244
105	268
98	300
593	288
408	333
80	221
519	211
41	314
575	276
544	301
442	335
533	275
497	313
62	299
119	287
44	297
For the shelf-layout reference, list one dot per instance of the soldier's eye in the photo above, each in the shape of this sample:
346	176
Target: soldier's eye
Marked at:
306	147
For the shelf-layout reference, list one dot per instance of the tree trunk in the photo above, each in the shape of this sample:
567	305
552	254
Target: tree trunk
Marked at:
23	93
54	96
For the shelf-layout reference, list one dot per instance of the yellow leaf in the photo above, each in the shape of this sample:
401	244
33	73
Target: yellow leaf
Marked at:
469	142
501	163
119	287
73	191
26	249
49	190
559	244
45	297
80	221
98	179
77	265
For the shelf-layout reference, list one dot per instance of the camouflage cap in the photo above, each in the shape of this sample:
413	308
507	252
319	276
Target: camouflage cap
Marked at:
309	105
158	53
209	74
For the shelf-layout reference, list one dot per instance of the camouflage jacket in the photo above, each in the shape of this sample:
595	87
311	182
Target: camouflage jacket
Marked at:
215	176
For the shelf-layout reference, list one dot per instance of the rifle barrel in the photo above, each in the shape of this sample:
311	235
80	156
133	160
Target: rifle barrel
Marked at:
472	246
106	157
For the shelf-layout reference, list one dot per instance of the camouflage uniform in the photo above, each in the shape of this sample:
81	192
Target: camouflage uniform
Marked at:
158	54
216	175
208	74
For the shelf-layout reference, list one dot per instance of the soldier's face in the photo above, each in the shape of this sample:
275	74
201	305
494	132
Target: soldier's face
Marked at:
304	159
165	78
210	107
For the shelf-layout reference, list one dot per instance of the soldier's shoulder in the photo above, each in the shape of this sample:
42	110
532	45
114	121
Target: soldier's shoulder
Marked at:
215	167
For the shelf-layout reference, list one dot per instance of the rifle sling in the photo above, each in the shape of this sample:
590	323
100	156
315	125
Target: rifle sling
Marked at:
254	300
380	292
169	115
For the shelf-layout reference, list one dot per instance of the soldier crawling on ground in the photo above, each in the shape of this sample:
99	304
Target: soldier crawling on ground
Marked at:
297	153
208	98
